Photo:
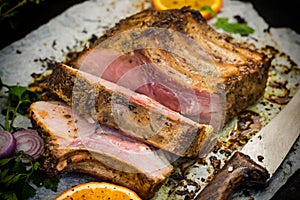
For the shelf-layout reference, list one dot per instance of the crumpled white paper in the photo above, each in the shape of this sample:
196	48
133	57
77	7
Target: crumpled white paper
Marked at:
52	40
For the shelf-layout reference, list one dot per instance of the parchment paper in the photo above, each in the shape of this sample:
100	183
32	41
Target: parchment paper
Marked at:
52	40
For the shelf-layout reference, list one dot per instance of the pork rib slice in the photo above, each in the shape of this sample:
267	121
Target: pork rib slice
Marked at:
135	114
179	60
74	145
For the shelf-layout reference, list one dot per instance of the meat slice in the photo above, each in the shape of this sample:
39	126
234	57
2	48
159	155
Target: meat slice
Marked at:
136	115
74	145
176	58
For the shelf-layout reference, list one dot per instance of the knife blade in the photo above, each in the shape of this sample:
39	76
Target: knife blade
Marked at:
259	159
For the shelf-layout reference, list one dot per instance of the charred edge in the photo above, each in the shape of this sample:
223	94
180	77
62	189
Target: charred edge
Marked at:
243	85
48	160
139	182
54	83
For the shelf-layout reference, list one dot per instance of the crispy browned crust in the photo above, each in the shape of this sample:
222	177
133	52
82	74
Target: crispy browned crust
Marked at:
243	72
58	160
135	114
140	182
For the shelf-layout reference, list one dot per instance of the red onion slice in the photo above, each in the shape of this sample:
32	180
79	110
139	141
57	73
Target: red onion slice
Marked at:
7	143
29	141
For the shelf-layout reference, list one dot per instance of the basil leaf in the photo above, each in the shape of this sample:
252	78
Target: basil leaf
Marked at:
223	23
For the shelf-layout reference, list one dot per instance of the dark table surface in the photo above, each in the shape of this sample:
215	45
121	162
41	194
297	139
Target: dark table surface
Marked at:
275	13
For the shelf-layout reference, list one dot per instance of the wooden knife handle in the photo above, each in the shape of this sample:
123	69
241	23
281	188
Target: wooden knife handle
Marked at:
240	171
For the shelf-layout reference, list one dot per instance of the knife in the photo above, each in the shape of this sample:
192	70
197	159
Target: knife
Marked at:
258	160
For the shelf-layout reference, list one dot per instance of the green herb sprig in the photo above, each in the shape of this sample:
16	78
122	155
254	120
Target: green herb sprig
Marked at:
223	23
16	176
9	8
19	100
242	29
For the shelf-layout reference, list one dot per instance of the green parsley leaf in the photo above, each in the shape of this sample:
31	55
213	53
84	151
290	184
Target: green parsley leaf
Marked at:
3	174
10	8
16	91
51	183
5	181
19	100
18	167
9	195
16	177
38	181
36	166
5	161
209	9
223	23
243	29
25	190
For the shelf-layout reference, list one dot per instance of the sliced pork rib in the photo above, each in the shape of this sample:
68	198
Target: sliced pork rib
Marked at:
135	114
74	145
177	59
